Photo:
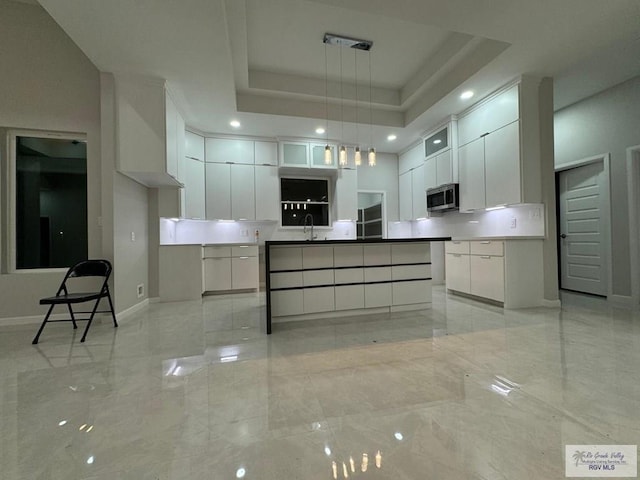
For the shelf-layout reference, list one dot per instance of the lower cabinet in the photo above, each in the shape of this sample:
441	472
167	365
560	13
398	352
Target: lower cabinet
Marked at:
287	302
349	297
230	267
320	299
406	293
487	276
377	295
506	271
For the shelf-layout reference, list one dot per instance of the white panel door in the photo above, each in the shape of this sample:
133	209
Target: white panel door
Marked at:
217	274
267	194
583	241
171	147
487	276
471	173
194	188
218	191
502	166
243	199
458	272
244	272
405	197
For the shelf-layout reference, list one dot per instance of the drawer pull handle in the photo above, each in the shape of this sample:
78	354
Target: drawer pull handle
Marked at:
243	246
455	242
457	254
485	242
485	256
243	258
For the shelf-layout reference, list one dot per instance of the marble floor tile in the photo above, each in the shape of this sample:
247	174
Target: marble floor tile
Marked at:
196	390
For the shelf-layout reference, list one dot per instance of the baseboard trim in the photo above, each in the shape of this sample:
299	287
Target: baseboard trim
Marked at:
551	303
623	300
127	312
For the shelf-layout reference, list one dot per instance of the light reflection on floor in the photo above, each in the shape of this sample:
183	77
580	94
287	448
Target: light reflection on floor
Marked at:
196	390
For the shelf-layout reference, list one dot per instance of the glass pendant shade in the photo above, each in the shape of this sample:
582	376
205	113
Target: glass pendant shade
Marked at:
328	160
372	157
343	156
358	157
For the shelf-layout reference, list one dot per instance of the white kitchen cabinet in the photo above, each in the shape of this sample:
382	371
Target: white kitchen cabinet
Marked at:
493	269
317	257
306	155
287	302
410	252
502	166
294	154
487	276
444	168
346	195
227	150
438	170
377	254
349	297
319	300
171	136
418	195
489	115
407	293
244	272
412	158
243	201
471	173
266	153
218	191
458	272
230	267
405	196
378	295
194	146
180	272
317	157
194	188
267	192
217	274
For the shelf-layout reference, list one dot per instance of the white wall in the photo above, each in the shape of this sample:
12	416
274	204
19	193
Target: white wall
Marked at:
608	122
131	260
383	177
47	84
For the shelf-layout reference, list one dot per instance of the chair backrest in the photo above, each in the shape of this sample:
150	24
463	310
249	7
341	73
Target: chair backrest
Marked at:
90	268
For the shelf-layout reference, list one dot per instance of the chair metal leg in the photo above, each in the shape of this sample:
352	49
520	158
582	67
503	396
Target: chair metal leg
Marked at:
113	312
93	312
73	318
35	339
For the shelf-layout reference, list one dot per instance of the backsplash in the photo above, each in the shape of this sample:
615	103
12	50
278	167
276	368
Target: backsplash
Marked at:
174	231
526	220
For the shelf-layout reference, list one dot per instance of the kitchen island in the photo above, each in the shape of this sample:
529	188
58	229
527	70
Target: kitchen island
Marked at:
332	278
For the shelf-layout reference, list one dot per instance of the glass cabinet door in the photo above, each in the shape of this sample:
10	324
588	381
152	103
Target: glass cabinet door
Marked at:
317	156
295	154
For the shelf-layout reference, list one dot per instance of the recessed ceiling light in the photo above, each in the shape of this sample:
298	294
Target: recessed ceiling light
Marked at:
437	141
391	137
234	123
466	95
320	130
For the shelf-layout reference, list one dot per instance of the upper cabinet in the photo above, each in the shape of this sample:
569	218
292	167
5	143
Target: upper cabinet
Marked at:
226	150
499	149
194	146
149	132
266	153
307	155
441	155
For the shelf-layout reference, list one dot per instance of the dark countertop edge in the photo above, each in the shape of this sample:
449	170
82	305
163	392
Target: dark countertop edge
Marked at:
348	242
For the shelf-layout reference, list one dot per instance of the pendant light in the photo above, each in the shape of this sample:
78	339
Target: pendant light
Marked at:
372	151
342	157
327	149
357	157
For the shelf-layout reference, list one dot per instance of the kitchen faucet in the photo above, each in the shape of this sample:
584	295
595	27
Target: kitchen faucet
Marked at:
304	230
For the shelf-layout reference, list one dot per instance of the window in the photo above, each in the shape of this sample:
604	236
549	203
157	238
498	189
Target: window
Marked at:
302	198
49	213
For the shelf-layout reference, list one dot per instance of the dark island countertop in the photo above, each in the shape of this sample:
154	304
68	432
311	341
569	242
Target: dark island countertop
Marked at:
368	240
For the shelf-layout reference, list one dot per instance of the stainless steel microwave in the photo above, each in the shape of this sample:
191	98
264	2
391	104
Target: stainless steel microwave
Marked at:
443	198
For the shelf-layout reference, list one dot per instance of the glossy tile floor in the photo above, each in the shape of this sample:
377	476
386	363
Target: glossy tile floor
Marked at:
196	390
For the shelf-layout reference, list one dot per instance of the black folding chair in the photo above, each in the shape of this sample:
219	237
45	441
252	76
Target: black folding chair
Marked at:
86	268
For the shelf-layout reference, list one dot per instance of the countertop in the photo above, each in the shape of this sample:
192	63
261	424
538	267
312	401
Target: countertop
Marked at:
497	239
232	244
371	240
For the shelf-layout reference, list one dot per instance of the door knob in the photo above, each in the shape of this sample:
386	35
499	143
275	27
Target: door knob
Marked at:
563	235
